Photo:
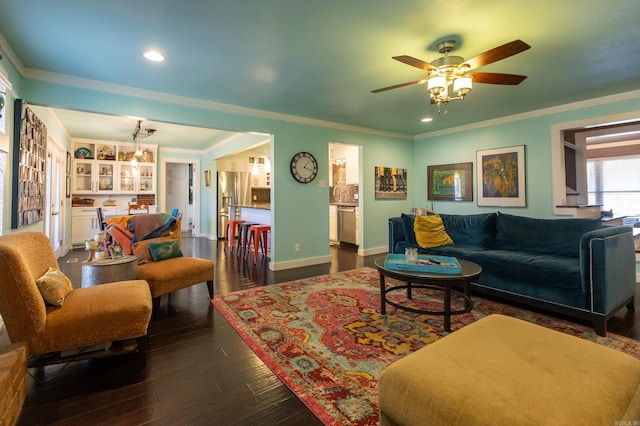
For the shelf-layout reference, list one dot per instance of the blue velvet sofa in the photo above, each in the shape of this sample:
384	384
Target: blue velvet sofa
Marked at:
575	267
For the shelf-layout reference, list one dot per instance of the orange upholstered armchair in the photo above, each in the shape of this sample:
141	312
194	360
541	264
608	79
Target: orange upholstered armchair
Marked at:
164	273
70	318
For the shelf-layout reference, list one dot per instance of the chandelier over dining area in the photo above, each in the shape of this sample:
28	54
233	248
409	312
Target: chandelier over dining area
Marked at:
138	134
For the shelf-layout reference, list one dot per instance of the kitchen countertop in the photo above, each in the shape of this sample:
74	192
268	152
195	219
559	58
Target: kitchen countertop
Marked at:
262	206
343	204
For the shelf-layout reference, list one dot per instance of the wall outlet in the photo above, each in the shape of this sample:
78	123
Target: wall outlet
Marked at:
297	248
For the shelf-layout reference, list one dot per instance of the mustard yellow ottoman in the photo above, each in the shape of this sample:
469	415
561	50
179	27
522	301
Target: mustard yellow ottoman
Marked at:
504	371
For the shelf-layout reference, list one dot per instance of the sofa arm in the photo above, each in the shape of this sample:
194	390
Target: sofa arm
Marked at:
608	267
396	232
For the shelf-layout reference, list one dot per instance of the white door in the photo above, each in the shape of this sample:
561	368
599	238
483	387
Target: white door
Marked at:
178	191
55	189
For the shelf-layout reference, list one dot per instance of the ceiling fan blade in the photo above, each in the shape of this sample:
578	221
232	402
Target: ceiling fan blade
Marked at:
396	86
425	66
497	54
496	78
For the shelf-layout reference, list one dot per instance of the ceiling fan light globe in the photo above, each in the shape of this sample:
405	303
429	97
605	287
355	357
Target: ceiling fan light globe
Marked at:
436	85
462	85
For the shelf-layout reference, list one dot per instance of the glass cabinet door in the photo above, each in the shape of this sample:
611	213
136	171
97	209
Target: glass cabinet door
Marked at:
145	182
82	177
105	176
127	178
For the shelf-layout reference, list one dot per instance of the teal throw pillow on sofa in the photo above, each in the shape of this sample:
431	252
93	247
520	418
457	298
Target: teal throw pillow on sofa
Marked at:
471	229
560	237
165	250
407	227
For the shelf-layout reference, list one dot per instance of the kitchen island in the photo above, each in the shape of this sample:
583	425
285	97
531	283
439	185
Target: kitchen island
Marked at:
255	212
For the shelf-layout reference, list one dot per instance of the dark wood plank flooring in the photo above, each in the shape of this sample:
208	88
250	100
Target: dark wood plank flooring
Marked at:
197	370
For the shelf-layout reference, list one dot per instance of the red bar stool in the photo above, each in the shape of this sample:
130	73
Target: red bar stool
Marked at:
259	236
232	227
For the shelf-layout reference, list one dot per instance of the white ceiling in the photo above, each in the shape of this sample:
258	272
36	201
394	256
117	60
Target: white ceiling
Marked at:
321	59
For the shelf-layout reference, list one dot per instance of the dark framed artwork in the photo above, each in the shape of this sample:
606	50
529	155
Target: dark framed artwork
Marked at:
391	182
501	177
29	167
450	182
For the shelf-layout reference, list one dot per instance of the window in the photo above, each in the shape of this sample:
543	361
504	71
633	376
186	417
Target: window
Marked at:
615	184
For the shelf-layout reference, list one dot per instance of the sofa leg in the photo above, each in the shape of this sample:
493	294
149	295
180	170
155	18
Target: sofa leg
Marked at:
600	325
210	288
631	305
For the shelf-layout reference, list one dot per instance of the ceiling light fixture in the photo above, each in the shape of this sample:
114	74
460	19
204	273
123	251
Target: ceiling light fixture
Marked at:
427	120
138	154
154	56
448	73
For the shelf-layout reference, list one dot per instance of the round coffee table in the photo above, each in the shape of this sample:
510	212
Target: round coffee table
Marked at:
109	270
431	280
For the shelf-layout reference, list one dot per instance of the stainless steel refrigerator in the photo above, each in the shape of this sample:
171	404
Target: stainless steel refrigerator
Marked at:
234	188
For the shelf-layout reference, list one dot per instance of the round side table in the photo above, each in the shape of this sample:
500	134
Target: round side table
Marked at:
110	270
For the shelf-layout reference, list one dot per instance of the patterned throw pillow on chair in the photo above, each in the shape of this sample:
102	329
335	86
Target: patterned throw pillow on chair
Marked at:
54	286
165	250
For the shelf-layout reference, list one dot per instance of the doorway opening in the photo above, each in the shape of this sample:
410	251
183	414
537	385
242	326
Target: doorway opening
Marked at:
54	213
344	194
179	193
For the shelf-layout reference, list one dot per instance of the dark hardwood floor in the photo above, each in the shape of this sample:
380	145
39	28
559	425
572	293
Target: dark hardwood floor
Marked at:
197	370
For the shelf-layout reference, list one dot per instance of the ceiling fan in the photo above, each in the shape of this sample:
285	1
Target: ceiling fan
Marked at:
454	71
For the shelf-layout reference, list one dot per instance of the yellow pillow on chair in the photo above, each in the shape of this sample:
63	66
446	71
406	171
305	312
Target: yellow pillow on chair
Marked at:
430	232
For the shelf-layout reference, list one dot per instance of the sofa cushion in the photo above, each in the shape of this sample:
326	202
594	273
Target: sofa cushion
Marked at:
455	250
539	270
164	250
544	236
472	229
54	286
430	232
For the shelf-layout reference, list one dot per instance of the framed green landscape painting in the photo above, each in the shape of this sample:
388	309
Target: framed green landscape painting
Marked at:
450	182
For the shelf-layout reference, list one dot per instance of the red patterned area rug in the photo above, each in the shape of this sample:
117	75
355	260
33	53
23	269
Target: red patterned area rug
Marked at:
325	338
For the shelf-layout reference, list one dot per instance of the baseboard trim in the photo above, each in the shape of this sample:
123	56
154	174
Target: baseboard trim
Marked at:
301	263
373	250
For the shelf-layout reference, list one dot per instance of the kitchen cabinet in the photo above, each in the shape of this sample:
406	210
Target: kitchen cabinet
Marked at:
85	224
105	168
333	224
136	180
92	176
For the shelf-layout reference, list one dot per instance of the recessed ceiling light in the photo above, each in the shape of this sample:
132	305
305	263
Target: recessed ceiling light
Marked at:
427	119
154	55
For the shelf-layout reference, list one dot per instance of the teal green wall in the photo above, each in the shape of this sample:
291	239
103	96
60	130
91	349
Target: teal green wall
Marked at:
534	133
300	212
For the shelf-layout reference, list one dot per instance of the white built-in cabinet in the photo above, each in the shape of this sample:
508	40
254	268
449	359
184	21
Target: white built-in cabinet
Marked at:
104	168
333	223
85	223
101	167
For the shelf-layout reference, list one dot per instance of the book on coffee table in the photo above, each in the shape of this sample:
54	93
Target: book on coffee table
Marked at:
425	263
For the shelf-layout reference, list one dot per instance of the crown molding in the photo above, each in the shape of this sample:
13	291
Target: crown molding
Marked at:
634	94
101	86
